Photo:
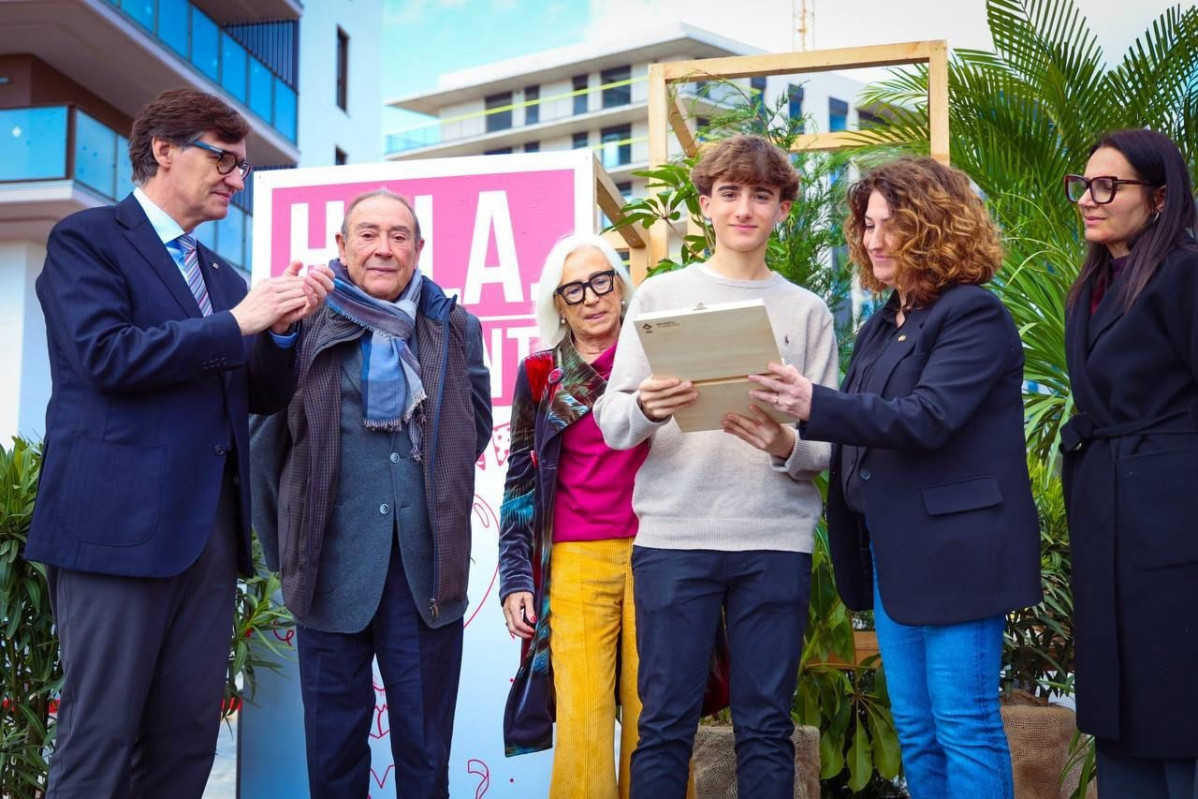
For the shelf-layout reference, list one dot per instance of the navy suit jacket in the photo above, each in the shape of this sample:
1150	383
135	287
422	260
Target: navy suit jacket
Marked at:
944	479
149	398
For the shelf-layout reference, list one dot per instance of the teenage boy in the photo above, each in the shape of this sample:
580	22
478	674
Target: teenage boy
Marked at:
726	518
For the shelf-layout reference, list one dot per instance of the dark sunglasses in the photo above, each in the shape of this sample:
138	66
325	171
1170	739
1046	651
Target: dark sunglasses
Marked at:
576	292
226	161
1102	189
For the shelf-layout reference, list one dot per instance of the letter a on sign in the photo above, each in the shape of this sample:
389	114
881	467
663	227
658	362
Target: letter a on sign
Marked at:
493	215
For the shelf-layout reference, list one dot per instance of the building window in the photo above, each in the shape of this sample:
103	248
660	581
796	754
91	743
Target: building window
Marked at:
342	70
498	151
532	147
532	111
866	120
339	157
580	96
499	112
581	140
625	190
614	96
838	115
794	103
617	146
757	91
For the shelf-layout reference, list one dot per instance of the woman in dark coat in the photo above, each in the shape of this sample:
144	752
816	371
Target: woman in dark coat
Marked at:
930	515
1131	465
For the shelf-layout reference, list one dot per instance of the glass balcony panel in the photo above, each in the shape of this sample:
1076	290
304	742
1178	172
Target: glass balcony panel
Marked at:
233	58
124	170
205	44
261	85
141	12
285	109
231	236
33	143
95	154
172	24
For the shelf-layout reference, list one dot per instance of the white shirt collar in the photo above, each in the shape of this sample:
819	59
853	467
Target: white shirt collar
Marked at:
167	228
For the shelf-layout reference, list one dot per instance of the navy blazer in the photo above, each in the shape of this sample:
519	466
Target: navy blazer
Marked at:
944	478
149	398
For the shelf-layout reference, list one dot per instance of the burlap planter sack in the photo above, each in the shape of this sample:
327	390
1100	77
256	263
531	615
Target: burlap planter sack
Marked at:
715	762
1039	738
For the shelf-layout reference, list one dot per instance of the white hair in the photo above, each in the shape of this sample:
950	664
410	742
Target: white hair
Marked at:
549	319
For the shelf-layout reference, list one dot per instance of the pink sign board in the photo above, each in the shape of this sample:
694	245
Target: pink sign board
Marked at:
488	223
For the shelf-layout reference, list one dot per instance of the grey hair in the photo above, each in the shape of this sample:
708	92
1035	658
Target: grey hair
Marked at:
548	317
369	195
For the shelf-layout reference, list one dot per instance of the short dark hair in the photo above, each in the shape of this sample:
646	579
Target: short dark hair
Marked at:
180	116
368	195
749	160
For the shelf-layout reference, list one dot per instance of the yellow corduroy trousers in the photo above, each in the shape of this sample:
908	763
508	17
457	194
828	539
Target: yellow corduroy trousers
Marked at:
592	620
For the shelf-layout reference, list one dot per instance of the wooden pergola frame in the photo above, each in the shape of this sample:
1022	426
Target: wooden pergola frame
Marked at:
666	114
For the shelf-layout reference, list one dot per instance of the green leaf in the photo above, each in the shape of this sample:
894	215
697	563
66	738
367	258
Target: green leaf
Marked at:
861	769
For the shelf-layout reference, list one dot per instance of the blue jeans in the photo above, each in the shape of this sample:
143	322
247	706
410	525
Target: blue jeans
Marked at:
679	596
943	685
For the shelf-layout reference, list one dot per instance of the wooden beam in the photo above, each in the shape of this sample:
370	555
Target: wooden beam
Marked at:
791	63
938	102
824	142
659	153
677	116
611	202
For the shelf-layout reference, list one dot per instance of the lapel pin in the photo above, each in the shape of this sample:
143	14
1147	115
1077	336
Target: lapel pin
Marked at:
903	337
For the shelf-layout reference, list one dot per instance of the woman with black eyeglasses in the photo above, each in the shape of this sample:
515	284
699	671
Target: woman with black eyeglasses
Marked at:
1131	465
567	511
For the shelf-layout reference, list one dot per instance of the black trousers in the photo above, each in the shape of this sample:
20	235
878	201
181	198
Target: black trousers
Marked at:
420	667
1124	777
145	661
679	595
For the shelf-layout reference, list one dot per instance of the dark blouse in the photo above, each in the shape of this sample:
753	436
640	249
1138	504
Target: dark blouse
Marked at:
885	335
1101	284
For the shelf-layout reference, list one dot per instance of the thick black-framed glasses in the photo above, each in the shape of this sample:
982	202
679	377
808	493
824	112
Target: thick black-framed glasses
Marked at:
576	292
1102	188
226	161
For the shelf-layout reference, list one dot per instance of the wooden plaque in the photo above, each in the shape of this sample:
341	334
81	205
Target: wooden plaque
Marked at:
715	347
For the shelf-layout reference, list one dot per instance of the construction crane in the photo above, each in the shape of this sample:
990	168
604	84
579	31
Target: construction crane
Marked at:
803	23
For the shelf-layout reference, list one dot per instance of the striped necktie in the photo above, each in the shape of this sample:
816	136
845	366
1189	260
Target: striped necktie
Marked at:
191	271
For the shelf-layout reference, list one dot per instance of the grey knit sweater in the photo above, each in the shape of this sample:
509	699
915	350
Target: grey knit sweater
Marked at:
710	490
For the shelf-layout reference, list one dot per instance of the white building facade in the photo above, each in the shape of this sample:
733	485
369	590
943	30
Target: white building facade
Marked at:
595	95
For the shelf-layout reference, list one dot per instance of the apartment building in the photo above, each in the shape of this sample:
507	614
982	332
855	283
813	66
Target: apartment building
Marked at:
595	95
74	73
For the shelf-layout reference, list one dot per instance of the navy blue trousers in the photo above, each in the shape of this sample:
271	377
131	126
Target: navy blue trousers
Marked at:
679	596
420	667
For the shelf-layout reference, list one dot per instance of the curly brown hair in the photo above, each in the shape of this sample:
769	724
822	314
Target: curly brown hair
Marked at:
942	233
749	160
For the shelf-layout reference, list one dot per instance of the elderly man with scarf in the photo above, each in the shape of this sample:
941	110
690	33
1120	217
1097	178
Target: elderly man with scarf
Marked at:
363	494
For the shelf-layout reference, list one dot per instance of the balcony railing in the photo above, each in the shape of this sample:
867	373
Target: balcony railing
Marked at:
198	40
548	111
60	142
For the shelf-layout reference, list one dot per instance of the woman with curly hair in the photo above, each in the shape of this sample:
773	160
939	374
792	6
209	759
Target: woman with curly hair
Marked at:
930	514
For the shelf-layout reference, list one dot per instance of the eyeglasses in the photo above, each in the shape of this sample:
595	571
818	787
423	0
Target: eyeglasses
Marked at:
1102	189
576	292
226	161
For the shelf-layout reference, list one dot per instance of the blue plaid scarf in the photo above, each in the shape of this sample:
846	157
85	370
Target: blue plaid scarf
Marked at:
392	392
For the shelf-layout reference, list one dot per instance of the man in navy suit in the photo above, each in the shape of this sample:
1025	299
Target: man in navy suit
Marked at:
157	356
